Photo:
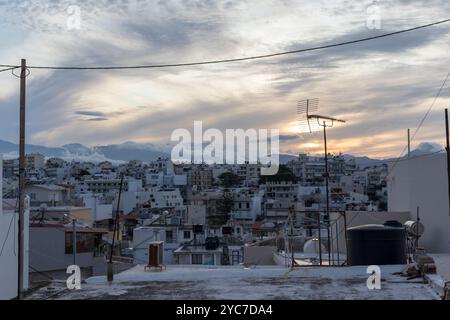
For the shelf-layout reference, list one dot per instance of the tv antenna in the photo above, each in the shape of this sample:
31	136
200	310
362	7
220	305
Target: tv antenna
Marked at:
307	110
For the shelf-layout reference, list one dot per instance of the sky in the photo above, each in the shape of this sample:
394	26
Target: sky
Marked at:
380	88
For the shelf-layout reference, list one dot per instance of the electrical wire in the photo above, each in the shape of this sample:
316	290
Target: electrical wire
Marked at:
7	69
7	234
270	55
378	163
421	122
40	272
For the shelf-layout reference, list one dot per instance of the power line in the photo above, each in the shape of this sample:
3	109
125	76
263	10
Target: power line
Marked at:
378	163
438	94
7	234
237	59
431	107
41	272
7	69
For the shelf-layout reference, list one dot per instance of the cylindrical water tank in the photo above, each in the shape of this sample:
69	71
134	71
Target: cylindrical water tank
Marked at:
374	244
414	228
312	246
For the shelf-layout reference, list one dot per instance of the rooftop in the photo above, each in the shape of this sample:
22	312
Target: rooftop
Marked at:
48	187
237	282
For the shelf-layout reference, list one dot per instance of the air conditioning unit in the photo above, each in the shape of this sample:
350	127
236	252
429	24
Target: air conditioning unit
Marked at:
155	255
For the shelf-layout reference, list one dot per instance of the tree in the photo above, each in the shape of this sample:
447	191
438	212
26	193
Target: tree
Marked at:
229	179
283	174
82	173
223	210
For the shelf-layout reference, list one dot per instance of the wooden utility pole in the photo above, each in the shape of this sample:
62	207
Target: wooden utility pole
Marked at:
409	143
110	271
20	269
74	241
447	147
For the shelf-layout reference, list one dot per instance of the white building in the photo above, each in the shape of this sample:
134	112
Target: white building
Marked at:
9	245
100	210
163	198
422	182
246	207
171	236
34	161
196	214
280	196
46	193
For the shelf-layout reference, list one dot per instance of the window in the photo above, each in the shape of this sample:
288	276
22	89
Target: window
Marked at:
187	234
86	242
169	236
33	196
197	258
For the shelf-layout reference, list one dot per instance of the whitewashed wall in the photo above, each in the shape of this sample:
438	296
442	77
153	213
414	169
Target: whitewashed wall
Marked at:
422	182
10	254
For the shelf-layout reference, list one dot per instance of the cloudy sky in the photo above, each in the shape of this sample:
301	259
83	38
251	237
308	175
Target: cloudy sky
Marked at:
380	87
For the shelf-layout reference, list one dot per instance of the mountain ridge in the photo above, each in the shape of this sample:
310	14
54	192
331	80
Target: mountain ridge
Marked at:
131	150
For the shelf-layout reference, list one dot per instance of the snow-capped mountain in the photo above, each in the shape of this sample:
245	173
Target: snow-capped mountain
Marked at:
426	148
78	152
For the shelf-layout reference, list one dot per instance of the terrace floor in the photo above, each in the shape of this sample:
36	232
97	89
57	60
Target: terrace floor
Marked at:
239	283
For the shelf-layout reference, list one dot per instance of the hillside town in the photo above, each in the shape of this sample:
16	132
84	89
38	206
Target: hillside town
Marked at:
204	215
183	205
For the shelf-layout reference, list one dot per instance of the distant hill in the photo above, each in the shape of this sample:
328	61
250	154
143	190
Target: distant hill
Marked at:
131	151
12	148
147	152
79	152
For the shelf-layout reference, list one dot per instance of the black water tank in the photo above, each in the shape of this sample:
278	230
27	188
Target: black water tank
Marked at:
375	244
212	243
198	228
227	230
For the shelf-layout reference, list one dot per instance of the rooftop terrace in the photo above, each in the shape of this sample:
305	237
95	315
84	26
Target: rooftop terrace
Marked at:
237	282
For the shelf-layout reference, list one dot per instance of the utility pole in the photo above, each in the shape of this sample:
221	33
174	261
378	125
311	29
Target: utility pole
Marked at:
21	240
291	218
95	210
319	228
409	143
327	192
110	271
74	241
447	147
417	222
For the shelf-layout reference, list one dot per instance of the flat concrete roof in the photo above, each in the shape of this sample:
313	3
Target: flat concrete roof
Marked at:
239	283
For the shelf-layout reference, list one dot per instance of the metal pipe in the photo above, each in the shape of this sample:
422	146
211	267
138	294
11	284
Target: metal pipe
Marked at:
337	242
327	215
345	233
320	238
